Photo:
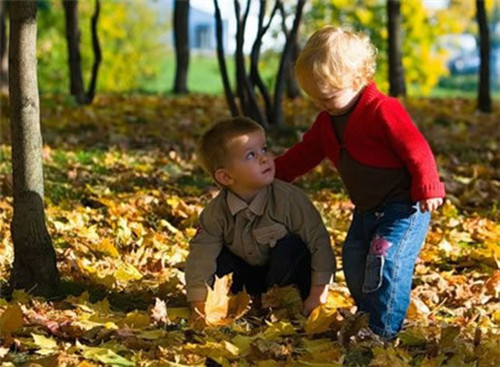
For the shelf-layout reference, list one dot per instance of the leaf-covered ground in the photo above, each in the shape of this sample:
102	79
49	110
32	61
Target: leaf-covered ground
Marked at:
122	197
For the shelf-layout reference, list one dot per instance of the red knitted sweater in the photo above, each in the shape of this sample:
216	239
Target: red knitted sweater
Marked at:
379	133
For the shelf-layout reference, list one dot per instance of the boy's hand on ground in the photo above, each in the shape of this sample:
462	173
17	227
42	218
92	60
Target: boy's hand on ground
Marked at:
317	296
197	313
428	205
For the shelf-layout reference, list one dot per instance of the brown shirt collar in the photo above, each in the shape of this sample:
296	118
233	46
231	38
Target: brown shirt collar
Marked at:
256	206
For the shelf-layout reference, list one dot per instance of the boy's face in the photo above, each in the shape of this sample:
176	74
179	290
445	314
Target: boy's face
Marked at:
250	166
338	101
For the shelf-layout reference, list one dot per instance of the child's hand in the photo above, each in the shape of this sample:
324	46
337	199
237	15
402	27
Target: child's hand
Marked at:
197	313
317	296
430	204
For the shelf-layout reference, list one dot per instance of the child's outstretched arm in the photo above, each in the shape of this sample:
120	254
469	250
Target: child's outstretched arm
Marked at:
303	156
304	220
201	263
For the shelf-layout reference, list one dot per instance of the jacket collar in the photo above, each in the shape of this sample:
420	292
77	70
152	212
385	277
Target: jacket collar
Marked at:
256	206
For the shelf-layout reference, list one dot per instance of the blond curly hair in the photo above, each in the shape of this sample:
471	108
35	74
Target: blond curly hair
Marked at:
335	58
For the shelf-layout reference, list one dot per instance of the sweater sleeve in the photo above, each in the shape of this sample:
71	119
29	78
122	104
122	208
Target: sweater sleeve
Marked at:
412	148
201	262
303	156
304	220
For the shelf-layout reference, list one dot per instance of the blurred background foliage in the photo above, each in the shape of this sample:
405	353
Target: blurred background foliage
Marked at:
131	42
132	34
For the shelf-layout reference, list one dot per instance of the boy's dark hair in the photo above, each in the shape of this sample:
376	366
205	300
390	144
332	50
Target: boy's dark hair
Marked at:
212	146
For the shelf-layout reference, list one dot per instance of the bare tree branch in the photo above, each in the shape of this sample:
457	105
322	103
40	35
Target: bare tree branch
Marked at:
222	61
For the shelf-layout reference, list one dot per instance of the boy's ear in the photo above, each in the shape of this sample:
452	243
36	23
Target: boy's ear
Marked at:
223	177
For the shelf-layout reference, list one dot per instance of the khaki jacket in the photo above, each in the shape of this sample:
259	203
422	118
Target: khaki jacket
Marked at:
251	230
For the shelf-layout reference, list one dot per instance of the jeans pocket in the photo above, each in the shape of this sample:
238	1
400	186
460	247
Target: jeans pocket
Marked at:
373	273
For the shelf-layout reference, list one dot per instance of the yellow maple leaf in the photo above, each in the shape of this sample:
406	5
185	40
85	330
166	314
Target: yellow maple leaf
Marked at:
287	298
126	273
320	319
107	247
496	317
243	342
417	309
175	313
137	320
320	350
47	345
218	351
322	316
388	357
11	320
86	364
278	328
221	308
492	285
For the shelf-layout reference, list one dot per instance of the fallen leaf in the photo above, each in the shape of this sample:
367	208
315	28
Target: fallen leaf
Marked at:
11	319
221	308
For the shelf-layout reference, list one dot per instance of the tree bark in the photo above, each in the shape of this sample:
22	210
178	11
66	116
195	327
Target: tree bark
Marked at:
97	53
222	61
77	88
181	38
285	58
34	267
4	57
397	86
292	86
246	93
255	78
484	96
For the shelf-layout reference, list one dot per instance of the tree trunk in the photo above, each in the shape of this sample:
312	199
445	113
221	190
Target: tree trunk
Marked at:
397	86
77	88
484	96
292	86
246	94
285	58
97	53
181	37
255	78
222	61
4	57
34	267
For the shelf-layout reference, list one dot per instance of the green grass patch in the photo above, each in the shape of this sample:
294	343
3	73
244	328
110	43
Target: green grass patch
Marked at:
462	86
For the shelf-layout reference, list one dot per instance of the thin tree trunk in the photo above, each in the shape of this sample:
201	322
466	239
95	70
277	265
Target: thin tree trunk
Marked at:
255	78
292	86
484	96
34	267
222	61
181	37
4	56
280	79
97	53
246	94
239	60
397	85
77	88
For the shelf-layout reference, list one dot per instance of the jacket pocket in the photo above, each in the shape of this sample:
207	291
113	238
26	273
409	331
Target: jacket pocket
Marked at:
269	235
373	273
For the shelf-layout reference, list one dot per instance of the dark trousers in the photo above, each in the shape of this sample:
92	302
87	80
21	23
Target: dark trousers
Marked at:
289	263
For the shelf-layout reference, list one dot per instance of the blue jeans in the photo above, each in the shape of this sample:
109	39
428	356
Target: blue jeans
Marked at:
379	257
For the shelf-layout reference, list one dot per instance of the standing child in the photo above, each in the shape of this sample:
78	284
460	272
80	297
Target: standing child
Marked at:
385	164
264	231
